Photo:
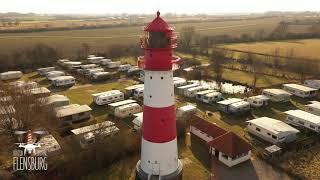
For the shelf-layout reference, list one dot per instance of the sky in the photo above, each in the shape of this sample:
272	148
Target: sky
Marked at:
150	6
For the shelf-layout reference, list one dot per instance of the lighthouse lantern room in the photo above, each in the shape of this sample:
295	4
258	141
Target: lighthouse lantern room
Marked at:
159	151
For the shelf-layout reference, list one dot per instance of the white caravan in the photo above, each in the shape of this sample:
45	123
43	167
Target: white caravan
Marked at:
313	108
113	106
124	67
313	83
44	71
138	93
95	60
258	101
199	95
212	97
130	90
105	62
108	97
100	76
63	81
304	119
127	110
53	74
10	75
191	92
300	90
277	95
113	64
182	89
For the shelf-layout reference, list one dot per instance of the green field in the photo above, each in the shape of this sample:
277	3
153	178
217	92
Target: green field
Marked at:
303	48
99	39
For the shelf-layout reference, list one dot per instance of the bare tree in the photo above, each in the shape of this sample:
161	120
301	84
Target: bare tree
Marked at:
187	35
217	59
204	45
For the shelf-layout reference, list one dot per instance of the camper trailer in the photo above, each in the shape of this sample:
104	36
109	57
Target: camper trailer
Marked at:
53	74
277	95
24	85
44	71
72	64
182	89
211	97
137	121
62	61
57	100
113	106
191	92
180	82
72	113
101	76
186	111
40	92
88	135
138	93
105	62
127	110
313	108
303	119
113	64
63	81
135	70
313	83
272	130
89	72
108	97
199	95
300	90
129	91
10	75
124	67
258	101
234	105
95	60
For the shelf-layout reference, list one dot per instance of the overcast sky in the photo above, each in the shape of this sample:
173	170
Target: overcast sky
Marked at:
150	6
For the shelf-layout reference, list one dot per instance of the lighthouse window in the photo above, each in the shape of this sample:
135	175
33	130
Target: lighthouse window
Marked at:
150	77
161	77
157	40
150	96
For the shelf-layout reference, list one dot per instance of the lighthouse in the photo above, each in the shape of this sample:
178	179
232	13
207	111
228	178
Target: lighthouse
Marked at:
159	150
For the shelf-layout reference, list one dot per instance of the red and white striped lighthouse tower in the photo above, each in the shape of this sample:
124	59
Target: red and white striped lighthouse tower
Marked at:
159	151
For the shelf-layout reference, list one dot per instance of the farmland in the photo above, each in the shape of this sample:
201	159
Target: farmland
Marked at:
99	39
302	48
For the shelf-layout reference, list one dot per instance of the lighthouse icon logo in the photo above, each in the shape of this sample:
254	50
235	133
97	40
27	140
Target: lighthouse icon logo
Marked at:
159	150
29	146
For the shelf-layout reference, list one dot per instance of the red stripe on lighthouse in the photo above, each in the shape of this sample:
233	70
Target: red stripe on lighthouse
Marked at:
159	124
160	60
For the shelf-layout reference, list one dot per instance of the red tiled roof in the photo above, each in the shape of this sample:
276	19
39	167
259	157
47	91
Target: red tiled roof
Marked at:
230	144
158	25
207	127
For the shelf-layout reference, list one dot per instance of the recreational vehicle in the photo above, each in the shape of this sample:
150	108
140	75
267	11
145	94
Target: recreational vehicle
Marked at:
304	119
53	74
191	92
199	95
108	97
100	76
40	92
105	62
313	83
272	130
129	91
124	67
113	64
24	85
88	66
277	95
179	82
63	81
95	60
212	97
234	105
186	111
258	101
90	134
10	75
134	70
137	121
72	113
127	110
182	89
113	106
300	90
88	72
313	108
57	100
62	61
72	64
138	93
44	71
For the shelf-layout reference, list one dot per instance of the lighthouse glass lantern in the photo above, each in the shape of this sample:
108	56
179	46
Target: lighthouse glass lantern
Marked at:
159	151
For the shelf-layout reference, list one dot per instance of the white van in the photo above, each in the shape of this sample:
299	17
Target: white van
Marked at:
127	110
108	97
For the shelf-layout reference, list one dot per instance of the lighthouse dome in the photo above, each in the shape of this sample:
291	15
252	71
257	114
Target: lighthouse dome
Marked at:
158	25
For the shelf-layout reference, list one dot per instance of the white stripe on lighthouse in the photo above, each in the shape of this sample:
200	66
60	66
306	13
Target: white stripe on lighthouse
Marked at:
159	157
158	89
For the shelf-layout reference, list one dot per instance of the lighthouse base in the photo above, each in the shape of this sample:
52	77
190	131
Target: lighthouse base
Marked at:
141	175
